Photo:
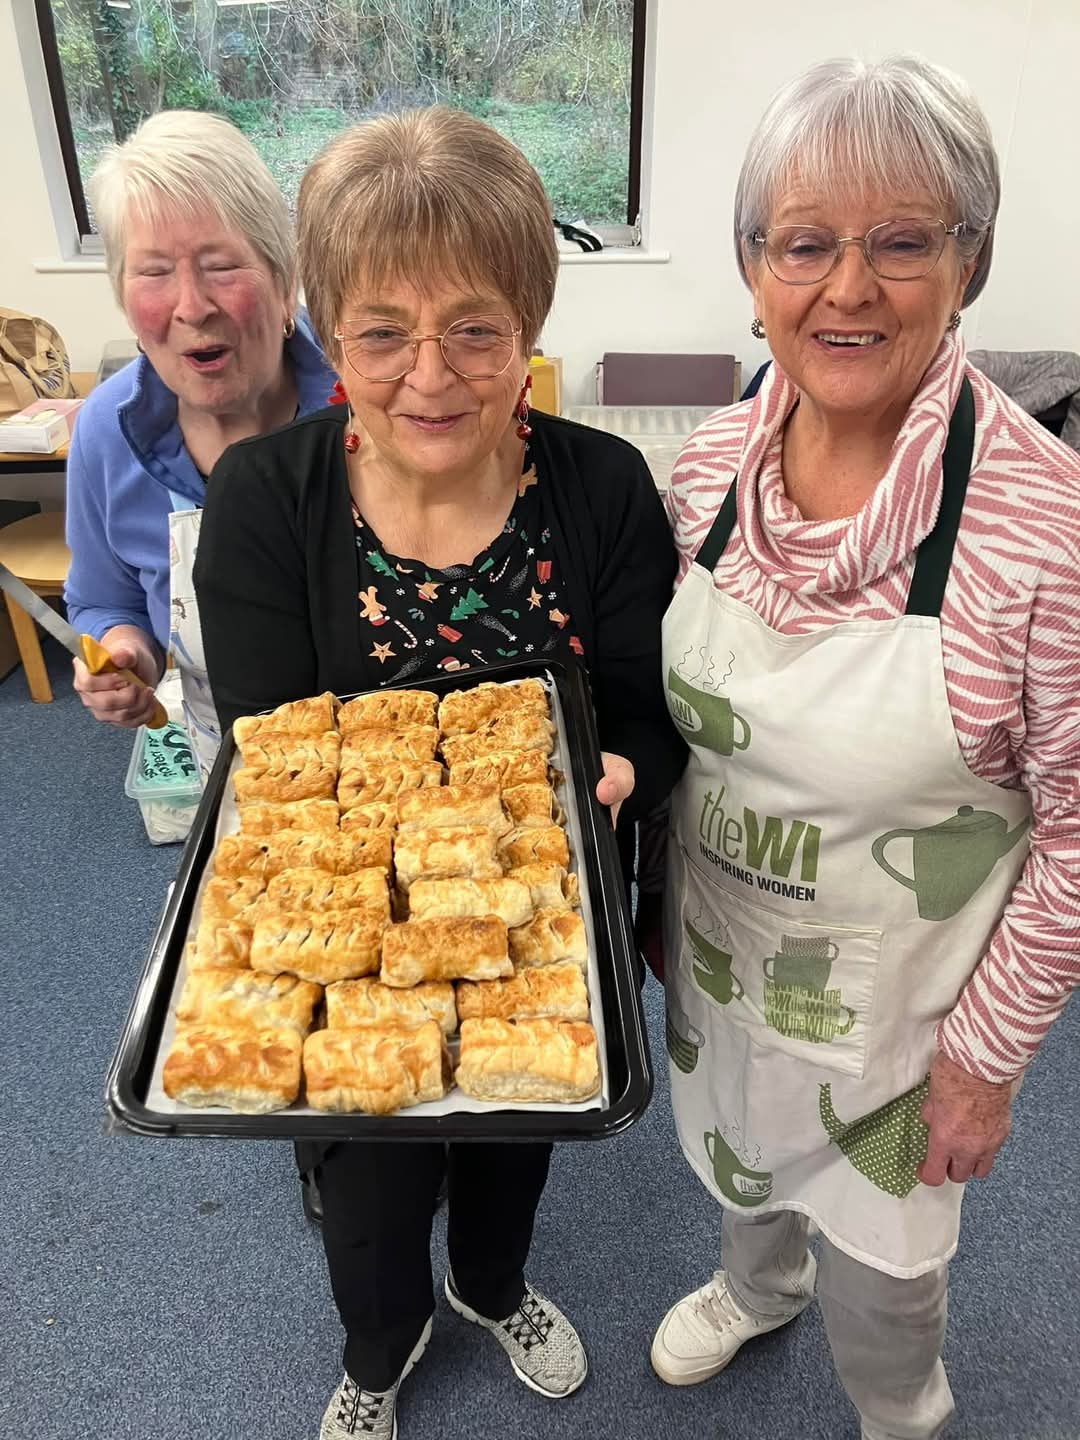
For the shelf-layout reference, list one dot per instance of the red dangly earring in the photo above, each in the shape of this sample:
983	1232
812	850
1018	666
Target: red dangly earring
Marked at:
521	410
352	439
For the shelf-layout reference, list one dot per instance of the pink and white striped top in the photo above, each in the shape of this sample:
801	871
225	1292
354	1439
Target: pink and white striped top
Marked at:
1010	625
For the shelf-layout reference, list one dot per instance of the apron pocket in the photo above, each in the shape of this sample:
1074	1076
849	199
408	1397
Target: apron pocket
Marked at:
802	988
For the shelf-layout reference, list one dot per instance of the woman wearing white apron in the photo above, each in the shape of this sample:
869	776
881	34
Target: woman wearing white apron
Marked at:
200	251
868	915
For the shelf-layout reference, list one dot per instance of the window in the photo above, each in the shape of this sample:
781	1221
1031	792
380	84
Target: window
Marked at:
561	78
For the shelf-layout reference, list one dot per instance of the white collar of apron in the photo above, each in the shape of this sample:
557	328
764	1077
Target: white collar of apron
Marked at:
862	548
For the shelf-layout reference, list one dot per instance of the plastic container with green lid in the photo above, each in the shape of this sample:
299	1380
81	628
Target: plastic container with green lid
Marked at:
164	778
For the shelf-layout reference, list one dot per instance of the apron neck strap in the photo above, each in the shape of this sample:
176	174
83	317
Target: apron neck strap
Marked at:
934	558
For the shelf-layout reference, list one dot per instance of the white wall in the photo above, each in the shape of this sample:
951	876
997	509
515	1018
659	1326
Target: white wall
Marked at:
713	67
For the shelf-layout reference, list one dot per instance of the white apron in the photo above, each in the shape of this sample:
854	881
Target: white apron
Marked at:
185	635
835	874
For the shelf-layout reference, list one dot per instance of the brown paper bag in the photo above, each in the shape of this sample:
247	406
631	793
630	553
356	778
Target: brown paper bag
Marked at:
34	362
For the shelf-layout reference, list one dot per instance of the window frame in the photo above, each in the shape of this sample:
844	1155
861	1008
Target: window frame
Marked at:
89	244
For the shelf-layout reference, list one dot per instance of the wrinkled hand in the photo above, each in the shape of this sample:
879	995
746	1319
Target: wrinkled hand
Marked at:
617	784
109	697
968	1120
649	932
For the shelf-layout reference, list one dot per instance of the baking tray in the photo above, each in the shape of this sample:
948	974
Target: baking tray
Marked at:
629	1073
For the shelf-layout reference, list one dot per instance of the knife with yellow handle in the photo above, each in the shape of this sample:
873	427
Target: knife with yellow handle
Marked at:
93	654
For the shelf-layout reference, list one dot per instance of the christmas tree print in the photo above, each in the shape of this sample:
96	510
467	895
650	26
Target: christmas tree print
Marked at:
379	564
468	605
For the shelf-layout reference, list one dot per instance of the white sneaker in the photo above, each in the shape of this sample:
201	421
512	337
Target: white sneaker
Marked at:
371	1414
703	1333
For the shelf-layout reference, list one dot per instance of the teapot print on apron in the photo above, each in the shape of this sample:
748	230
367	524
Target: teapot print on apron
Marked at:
952	859
888	1145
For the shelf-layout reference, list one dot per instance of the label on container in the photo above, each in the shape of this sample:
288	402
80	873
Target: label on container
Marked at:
167	761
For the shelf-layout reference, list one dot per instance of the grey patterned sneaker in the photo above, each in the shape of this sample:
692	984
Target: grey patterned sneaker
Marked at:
543	1346
367	1413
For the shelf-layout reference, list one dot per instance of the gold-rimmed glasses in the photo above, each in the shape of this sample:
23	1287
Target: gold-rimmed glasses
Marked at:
894	250
477	347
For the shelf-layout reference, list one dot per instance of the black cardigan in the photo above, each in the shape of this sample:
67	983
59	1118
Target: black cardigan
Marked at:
276	579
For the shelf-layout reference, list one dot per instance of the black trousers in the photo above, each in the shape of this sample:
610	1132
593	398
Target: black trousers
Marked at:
378	1203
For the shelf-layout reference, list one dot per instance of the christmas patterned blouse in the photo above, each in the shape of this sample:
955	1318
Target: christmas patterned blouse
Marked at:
507	604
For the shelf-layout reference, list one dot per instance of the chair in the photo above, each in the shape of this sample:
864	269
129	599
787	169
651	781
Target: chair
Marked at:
658	379
34	550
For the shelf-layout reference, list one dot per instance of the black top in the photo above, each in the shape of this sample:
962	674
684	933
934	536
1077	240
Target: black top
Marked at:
507	603
277	579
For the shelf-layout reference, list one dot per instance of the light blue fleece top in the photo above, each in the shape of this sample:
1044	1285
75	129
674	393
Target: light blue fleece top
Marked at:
127	454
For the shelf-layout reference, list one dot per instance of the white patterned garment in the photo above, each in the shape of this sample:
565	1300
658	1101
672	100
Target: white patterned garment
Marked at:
1010	626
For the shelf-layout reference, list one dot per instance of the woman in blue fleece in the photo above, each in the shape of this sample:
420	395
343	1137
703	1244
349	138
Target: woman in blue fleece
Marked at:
200	253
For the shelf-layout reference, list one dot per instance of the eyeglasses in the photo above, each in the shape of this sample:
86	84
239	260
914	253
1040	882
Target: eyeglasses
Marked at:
480	347
895	250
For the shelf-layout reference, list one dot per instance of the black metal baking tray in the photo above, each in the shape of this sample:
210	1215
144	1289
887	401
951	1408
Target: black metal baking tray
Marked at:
629	1071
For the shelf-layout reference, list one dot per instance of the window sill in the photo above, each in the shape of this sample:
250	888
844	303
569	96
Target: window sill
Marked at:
626	255
84	265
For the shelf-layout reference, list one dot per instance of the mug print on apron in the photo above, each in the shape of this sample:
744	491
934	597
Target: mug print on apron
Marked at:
185	634
835	874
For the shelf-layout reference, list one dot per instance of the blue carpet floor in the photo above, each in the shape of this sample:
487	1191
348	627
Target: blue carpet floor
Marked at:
170	1290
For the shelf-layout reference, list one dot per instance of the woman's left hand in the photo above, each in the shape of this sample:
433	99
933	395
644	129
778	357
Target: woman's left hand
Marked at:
617	784
969	1121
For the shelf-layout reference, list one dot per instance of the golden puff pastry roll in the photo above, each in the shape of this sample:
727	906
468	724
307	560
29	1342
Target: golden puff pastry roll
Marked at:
532	806
503	768
370	747
232	897
376	1069
528	1060
381	816
248	1000
436	854
556	991
334	945
352	1003
452	805
550	936
314	891
290	752
313	716
515	730
220	943
549	885
252	1071
297	849
460	897
304	769
463	711
388	710
268	817
471	949
382	781
548	846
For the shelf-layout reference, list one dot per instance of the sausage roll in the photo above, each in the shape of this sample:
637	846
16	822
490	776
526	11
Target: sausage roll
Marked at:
528	1060
376	1069
436	854
334	945
220	944
352	1003
463	711
387	710
532	806
549	885
515	730
458	898
296	849
299	717
231	897
473	949
370	747
557	991
246	1000
306	890
382	781
381	816
551	935
290	752
452	805
504	768
525	847
253	1071
265	817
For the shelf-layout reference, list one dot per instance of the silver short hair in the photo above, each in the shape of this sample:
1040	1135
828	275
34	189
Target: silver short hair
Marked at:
195	163
846	126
